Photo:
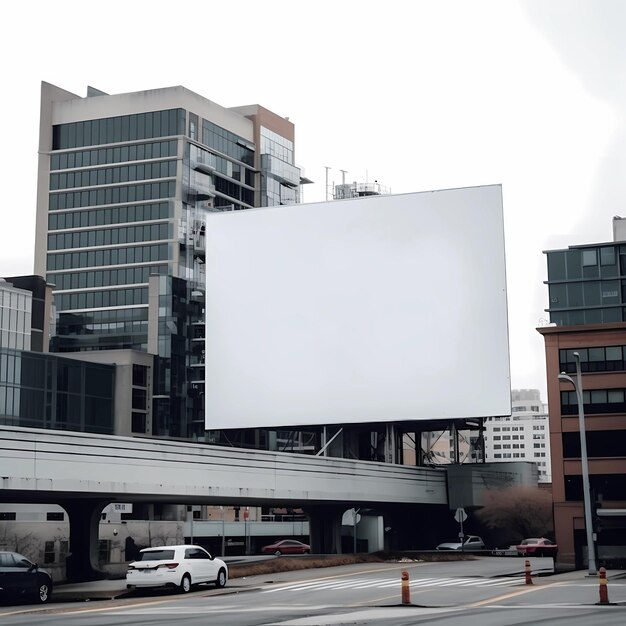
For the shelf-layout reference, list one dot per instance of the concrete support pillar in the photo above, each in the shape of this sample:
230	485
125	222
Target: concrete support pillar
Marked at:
84	517
325	528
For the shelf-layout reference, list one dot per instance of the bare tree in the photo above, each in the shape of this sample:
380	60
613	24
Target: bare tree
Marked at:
13	540
164	534
524	511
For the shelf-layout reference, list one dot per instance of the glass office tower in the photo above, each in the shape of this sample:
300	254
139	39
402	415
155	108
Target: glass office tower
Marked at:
125	185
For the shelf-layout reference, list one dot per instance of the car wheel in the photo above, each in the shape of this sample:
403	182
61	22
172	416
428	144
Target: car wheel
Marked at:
307	552
43	592
185	584
277	552
220	581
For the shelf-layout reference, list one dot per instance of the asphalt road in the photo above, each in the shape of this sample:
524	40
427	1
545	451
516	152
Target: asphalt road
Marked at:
489	592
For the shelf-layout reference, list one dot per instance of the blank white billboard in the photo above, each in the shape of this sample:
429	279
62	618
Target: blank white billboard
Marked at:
376	309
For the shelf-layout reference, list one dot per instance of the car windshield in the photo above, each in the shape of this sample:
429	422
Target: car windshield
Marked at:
156	555
529	541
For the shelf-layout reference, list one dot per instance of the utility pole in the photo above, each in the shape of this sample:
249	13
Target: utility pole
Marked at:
326	168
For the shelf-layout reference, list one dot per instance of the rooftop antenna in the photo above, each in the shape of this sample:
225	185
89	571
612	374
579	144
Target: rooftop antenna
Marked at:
326	168
343	176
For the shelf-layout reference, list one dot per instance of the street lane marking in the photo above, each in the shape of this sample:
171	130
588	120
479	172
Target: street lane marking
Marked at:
528	589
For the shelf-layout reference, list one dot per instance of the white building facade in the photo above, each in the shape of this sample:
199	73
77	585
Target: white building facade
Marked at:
522	436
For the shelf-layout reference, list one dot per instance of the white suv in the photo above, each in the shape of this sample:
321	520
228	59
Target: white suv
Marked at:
176	566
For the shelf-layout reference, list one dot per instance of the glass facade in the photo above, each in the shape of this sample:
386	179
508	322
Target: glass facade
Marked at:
117	129
587	285
15	317
280	179
46	391
110	224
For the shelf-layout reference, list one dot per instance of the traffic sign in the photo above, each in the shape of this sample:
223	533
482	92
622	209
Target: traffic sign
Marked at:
460	515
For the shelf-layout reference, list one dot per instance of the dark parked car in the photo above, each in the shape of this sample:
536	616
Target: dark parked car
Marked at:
22	579
286	546
537	546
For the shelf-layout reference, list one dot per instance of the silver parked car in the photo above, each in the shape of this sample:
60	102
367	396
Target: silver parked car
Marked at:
471	542
176	566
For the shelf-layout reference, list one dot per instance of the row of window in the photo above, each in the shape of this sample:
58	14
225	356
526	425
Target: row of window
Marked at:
15	320
47	391
106	278
227	143
606	486
585	294
16	300
606	315
117	129
112	175
600	444
98	299
594	401
111	256
15	340
31	409
50	517
109	236
115	215
92	319
600	359
198	155
112	195
506	446
234	190
119	154
576	263
133	329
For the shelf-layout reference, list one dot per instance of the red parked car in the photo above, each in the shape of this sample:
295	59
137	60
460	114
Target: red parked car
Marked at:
286	546
537	546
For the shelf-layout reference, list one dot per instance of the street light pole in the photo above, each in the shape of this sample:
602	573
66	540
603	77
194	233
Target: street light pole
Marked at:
578	386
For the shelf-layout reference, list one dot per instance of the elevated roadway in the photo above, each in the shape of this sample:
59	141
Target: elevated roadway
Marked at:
84	472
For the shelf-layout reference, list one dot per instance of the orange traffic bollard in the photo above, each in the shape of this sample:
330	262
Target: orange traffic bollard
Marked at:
604	589
406	592
529	580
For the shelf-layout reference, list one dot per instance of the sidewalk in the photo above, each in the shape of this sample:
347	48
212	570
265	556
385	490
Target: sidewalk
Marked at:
114	589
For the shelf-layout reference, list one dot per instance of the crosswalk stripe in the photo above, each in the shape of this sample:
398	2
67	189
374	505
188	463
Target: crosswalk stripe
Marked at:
390	583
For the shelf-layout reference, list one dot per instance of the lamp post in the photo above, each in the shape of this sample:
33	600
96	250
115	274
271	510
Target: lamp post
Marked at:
591	552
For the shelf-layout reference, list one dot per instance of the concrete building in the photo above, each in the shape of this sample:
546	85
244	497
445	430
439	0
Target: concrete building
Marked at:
586	306
522	436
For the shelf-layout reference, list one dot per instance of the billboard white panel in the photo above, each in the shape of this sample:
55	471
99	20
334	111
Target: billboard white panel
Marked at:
385	308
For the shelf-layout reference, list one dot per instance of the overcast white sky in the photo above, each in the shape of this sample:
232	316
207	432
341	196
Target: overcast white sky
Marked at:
420	95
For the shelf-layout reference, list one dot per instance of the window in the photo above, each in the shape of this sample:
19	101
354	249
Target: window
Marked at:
140	375
138	422
55	516
104	550
8	516
48	552
607	256
589	257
